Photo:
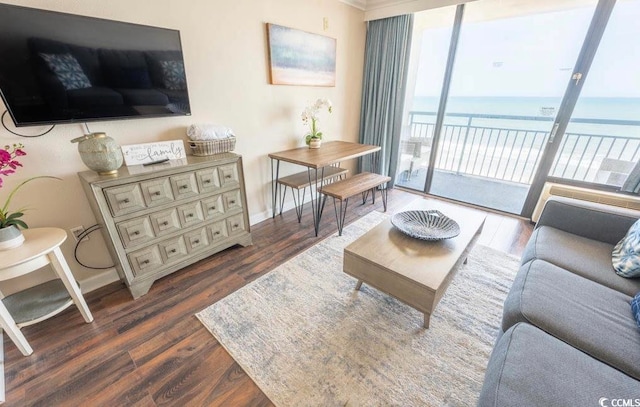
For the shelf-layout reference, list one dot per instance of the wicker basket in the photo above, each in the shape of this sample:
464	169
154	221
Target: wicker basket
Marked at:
210	147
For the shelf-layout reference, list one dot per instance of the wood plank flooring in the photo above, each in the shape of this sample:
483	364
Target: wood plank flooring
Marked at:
153	351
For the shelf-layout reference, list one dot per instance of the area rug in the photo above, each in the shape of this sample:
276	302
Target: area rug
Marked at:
307	338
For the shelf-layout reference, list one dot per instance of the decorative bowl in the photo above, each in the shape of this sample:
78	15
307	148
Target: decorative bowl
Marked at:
426	225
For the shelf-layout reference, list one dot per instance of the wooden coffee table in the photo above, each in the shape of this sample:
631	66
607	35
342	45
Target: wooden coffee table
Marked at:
414	271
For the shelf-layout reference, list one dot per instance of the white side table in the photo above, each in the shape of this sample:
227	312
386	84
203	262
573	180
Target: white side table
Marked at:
35	304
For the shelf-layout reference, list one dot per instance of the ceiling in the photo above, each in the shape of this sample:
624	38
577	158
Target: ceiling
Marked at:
368	5
376	9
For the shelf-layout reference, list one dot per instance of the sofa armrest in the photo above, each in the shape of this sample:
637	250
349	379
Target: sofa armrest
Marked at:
605	223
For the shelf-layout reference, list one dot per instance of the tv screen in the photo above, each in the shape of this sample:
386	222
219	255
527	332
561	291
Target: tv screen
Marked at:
65	68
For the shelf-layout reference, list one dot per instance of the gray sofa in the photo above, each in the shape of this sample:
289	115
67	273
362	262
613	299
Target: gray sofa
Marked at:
568	335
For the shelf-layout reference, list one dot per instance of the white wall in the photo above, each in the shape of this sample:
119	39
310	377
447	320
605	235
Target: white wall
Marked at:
226	60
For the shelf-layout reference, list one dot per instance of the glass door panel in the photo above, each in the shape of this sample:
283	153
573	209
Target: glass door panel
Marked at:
602	141
513	61
430	47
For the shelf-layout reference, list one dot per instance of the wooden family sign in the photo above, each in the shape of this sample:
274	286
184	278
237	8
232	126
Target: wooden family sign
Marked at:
135	154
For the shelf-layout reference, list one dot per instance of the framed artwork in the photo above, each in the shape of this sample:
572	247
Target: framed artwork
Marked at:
301	58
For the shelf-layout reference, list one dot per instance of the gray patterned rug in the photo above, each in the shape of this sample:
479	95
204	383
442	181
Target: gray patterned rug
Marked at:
308	339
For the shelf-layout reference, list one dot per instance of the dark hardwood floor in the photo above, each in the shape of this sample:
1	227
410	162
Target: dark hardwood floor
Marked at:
153	351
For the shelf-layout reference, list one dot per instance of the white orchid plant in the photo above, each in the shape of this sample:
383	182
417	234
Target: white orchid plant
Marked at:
310	117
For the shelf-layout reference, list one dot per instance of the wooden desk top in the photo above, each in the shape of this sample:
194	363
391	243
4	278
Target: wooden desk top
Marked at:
331	152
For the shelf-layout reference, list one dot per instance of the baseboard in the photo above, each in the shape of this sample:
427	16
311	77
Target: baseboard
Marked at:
105	277
262	216
109	276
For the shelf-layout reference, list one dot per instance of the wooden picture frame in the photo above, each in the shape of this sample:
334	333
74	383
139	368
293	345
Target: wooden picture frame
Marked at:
300	58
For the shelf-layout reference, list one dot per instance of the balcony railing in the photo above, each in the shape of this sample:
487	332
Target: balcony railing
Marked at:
509	148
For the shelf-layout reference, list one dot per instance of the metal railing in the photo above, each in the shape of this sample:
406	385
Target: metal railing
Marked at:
509	148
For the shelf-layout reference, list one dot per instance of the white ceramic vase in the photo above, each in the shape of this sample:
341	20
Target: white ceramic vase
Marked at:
10	237
315	143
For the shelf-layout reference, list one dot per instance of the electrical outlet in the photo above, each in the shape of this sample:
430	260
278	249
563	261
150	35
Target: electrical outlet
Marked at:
77	231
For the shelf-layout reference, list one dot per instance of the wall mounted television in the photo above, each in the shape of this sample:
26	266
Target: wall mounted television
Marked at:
65	68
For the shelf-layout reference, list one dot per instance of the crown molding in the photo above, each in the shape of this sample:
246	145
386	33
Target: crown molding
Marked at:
359	4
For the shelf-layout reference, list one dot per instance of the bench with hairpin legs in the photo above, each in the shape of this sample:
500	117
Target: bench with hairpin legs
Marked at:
362	183
300	181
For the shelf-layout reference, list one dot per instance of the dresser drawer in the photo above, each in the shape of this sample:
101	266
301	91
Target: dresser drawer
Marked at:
190	214
217	231
145	261
232	200
196	240
135	231
208	180
235	224
164	218
156	192
124	199
229	175
213	207
184	185
165	222
172	250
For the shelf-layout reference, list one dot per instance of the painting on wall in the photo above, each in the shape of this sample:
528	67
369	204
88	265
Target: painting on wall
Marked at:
301	58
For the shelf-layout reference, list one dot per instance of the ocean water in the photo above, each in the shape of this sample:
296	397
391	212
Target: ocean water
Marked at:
583	149
542	111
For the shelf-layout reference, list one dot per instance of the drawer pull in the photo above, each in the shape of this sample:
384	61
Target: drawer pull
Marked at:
196	241
172	251
228	176
232	202
211	209
145	261
136	232
125	200
165	223
217	233
184	186
189	215
236	225
207	181
157	193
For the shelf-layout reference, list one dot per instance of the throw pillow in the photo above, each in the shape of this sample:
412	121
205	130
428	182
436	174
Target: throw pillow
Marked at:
626	254
67	70
173	75
635	308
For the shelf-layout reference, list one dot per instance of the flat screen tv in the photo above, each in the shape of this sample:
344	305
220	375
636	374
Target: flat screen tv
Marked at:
65	68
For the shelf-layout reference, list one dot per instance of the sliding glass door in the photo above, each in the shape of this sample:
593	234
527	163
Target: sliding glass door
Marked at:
504	99
602	141
428	62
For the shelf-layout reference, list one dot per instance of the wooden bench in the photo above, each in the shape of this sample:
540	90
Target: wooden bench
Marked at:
358	184
300	181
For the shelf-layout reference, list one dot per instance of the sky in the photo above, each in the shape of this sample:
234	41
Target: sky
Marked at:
534	55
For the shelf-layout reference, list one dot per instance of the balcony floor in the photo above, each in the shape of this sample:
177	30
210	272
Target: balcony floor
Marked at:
489	193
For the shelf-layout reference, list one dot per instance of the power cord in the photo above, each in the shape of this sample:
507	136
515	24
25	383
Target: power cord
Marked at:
22	135
81	236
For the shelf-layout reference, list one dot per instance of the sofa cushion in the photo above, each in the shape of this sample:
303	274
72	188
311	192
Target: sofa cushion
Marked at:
530	368
125	69
588	316
588	258
626	254
141	97
95	96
